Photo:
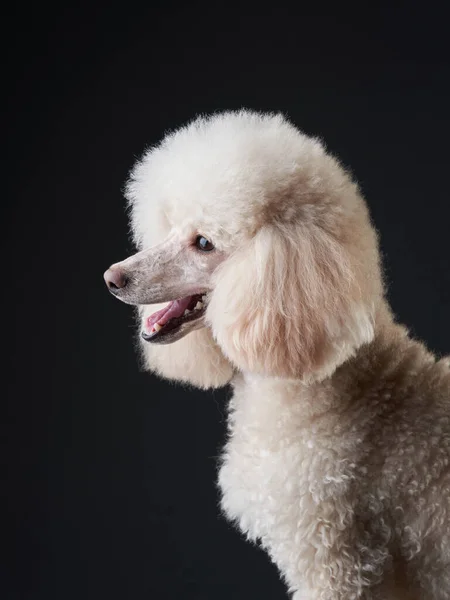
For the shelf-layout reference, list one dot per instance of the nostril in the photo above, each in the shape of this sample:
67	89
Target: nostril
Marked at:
115	279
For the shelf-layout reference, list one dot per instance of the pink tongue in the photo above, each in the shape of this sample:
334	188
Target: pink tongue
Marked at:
174	309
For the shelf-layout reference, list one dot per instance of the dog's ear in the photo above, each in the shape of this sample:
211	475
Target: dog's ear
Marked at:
290	304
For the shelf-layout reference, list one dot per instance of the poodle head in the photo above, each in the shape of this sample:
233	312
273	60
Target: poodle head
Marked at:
262	245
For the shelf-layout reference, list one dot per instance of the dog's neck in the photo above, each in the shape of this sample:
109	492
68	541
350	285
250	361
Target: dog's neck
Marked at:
360	372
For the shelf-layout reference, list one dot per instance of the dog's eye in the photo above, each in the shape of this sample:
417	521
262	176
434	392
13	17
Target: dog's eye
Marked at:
203	244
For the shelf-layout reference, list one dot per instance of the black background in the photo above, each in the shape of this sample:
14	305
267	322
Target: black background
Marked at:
110	487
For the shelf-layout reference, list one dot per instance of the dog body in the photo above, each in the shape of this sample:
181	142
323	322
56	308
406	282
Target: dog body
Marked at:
338	457
346	483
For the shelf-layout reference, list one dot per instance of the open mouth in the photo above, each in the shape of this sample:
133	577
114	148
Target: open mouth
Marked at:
164	325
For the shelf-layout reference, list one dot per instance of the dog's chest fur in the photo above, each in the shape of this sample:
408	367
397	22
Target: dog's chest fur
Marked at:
285	479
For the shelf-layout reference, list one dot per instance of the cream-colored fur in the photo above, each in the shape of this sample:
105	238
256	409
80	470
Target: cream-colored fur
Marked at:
338	453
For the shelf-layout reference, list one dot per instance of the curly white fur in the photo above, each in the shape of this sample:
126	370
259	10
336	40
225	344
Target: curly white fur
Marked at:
339	428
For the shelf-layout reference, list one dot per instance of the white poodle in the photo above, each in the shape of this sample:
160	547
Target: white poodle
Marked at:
338	457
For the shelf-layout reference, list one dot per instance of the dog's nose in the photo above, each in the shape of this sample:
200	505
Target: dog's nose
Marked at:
115	279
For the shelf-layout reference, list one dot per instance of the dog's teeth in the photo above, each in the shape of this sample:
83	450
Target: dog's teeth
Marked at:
186	312
157	327
199	305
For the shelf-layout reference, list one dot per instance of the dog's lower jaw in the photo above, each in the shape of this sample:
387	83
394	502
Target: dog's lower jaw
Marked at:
178	334
175	320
